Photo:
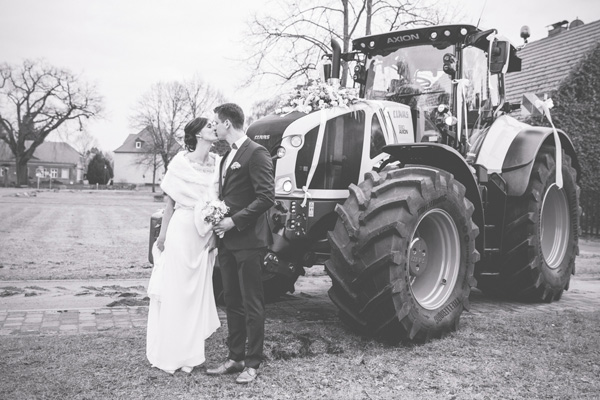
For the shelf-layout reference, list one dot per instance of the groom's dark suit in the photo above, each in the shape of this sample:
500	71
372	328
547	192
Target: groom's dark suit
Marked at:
248	190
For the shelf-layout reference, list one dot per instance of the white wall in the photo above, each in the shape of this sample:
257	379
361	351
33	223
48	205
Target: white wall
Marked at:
127	171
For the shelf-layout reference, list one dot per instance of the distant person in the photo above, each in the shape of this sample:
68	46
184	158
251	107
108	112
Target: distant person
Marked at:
183	313
246	184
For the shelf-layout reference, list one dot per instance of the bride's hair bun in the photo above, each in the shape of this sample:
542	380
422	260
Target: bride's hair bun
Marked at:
191	130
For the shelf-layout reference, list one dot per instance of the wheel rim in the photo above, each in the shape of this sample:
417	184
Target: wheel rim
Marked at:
434	259
555	226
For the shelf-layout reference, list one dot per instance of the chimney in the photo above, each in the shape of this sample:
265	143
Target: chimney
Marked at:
557	28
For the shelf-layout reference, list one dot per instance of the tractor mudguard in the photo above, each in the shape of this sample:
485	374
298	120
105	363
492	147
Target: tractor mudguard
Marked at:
522	152
510	148
448	159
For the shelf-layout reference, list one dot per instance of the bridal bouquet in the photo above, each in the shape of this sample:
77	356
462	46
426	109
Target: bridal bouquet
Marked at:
317	95
214	211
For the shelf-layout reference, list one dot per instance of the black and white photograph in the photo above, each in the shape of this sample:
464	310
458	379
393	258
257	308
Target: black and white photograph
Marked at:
279	199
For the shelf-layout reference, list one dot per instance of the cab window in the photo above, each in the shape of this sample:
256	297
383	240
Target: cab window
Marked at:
377	138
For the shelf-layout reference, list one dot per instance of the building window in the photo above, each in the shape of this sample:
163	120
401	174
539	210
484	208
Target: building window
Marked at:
53	172
138	145
64	173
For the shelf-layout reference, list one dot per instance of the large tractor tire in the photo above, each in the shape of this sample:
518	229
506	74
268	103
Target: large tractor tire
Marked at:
403	254
541	233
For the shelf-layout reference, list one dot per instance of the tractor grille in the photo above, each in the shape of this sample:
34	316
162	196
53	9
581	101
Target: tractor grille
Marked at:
341	153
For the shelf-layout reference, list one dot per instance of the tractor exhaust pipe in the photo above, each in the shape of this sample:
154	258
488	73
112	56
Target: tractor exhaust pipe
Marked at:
335	62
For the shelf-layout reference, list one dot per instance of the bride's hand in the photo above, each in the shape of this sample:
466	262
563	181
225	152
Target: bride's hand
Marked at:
160	243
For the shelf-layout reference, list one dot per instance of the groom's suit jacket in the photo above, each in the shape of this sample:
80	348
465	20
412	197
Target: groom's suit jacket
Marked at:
248	191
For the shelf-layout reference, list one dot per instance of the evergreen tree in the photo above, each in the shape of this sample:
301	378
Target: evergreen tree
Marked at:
99	170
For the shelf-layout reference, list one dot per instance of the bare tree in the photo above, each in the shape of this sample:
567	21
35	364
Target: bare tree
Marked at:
36	99
262	108
288	39
151	159
165	110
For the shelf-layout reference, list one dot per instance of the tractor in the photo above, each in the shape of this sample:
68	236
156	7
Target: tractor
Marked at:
424	189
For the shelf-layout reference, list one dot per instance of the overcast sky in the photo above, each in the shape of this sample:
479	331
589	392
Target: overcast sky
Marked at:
124	46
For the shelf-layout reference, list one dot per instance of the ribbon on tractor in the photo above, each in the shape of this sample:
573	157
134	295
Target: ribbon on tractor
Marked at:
317	155
545	106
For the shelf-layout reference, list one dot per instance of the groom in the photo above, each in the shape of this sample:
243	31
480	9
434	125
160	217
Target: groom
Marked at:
246	185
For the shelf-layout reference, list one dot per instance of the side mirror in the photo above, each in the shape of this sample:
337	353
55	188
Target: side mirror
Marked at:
499	56
449	64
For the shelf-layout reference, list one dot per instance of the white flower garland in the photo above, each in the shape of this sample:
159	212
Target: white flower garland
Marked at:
316	96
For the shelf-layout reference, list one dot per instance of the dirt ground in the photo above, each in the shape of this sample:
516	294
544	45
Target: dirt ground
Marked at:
96	244
92	249
103	235
74	234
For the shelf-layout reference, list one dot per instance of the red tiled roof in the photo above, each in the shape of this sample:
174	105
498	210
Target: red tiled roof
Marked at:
546	62
49	152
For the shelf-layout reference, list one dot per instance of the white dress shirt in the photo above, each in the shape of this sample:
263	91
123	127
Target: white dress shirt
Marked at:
238	143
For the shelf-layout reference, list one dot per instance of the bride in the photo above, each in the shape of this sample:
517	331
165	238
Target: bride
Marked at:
183	313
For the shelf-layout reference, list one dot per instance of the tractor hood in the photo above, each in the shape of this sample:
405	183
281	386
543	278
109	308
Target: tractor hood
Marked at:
268	130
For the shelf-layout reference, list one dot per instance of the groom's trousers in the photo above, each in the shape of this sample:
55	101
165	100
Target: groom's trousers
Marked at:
245	304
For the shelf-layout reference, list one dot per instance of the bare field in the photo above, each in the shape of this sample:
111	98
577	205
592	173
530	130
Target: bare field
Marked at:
103	234
74	235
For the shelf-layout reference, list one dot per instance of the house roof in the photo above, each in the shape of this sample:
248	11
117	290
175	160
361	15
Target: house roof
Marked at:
546	62
47	152
128	145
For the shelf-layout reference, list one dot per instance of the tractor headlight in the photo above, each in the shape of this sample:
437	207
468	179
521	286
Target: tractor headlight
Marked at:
287	186
284	185
296	140
280	152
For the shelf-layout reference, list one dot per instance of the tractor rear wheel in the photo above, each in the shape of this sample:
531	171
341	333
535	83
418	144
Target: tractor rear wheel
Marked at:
541	233
403	253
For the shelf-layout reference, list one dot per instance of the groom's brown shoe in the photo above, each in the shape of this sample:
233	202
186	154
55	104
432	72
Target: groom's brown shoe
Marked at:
228	367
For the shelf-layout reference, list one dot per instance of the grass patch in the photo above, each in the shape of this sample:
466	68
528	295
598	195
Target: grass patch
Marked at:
546	356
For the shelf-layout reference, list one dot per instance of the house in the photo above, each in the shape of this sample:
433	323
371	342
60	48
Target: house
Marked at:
133	161
58	161
545	63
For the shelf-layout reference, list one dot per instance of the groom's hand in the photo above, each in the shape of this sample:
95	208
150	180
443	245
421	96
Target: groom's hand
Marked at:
223	226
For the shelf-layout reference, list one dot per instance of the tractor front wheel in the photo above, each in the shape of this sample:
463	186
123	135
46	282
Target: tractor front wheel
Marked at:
403	253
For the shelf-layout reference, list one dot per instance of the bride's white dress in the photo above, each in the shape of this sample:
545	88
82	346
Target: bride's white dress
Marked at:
183	313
